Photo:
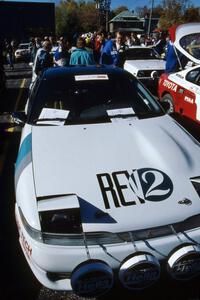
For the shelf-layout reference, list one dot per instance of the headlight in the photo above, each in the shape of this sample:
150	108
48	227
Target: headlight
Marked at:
141	74
67	221
98	238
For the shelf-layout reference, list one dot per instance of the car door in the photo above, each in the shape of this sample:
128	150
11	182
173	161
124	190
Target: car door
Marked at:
191	95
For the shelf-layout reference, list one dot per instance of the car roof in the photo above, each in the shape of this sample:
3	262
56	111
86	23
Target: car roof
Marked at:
26	44
55	72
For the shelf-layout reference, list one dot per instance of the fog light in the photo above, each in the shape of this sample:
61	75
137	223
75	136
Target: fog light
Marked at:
139	271
92	278
184	262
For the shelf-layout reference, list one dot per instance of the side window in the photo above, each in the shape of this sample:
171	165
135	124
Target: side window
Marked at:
194	76
191	44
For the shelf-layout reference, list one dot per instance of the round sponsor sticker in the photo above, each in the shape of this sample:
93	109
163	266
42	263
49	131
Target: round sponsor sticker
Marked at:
92	278
139	271
184	262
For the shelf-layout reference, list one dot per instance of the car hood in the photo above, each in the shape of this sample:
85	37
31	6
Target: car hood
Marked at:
183	33
124	175
150	64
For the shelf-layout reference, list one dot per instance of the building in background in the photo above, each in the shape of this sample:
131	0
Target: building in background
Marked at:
126	21
21	20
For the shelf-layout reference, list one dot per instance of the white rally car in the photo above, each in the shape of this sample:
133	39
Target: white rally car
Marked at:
145	64
23	52
107	184
182	89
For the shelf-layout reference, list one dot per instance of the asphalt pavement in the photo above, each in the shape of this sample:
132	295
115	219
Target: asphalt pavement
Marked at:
17	281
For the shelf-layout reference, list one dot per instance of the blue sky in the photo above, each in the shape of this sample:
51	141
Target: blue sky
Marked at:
131	4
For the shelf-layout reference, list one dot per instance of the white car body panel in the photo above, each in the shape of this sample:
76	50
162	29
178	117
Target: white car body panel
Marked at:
63	166
24	182
180	81
182	31
47	257
133	66
127	182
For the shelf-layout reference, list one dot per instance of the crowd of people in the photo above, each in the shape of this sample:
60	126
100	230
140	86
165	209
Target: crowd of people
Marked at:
89	49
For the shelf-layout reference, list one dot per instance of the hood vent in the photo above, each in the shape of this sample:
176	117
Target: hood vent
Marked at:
196	184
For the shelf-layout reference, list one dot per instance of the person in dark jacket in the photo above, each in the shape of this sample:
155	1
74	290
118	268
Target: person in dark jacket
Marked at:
81	56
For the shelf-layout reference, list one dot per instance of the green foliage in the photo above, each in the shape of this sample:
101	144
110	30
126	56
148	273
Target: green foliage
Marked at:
119	9
191	15
173	13
75	16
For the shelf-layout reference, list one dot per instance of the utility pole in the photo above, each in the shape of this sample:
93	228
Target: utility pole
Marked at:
103	8
150	17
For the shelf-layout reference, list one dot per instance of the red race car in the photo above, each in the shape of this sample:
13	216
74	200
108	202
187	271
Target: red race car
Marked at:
182	89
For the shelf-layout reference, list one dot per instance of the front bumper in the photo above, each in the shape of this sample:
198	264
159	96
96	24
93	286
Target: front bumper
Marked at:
52	265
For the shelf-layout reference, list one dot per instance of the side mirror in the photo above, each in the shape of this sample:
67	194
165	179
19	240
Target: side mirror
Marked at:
6	121
154	75
19	117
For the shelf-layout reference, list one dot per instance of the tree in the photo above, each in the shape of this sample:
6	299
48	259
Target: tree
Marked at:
75	17
142	11
191	15
67	21
119	9
173	12
88	17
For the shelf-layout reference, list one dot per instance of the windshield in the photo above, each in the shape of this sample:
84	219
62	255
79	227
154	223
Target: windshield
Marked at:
91	99
191	44
140	53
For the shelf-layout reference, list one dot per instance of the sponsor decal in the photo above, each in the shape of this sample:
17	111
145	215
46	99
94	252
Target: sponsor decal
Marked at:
188	99
142	184
185	201
91	77
24	157
170	85
25	245
139	271
184	262
92	278
179	75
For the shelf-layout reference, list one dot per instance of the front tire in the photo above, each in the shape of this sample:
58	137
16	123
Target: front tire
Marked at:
168	98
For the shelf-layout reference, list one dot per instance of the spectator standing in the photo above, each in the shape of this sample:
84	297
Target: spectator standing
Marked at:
99	43
113	53
159	42
44	59
174	59
62	55
9	52
80	56
134	41
36	46
31	47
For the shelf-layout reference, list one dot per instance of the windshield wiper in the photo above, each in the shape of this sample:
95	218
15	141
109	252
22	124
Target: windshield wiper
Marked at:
48	119
123	116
